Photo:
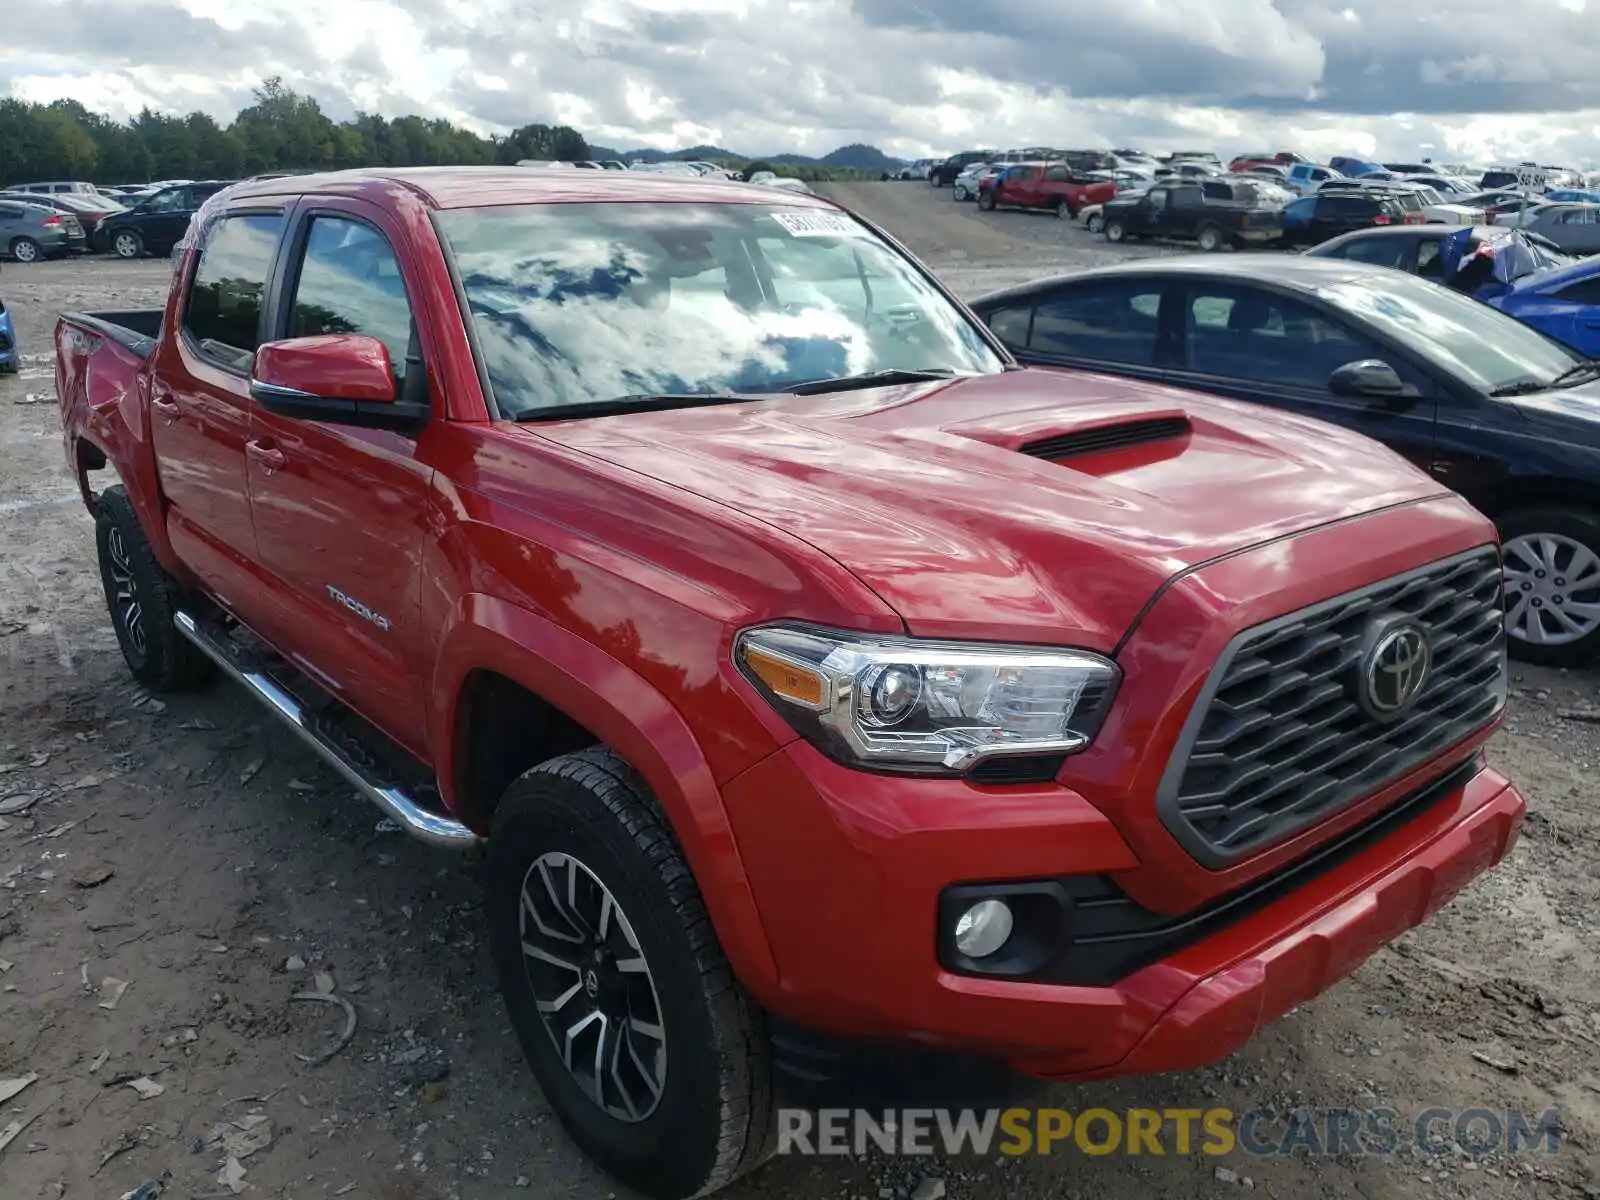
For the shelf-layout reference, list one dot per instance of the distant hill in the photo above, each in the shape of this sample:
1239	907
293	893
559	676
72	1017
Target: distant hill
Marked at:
855	157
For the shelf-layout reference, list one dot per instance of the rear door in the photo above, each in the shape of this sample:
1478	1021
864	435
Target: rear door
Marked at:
1257	344
1185	207
200	406
340	511
1054	186
1116	326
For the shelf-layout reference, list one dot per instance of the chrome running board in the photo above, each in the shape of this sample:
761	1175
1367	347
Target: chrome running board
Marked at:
420	822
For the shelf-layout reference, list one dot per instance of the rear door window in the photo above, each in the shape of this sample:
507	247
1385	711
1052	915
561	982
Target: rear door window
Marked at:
1114	321
222	314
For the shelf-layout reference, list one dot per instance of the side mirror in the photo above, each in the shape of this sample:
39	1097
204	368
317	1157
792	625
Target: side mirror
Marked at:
343	378
1369	378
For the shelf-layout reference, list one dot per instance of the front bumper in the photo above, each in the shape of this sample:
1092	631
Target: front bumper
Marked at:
848	868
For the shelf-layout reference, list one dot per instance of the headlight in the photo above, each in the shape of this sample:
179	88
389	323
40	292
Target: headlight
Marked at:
905	704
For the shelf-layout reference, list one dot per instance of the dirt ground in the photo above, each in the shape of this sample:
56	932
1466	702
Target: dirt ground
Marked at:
192	850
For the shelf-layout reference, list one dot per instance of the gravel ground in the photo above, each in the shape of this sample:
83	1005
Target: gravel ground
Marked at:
191	849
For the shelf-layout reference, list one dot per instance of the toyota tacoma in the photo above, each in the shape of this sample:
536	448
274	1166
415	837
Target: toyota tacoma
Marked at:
801	660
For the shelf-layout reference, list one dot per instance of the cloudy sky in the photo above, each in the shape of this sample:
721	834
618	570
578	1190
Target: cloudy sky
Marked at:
1468	80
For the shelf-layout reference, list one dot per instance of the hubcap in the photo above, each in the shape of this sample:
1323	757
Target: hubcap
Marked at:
593	987
129	611
127	247
1552	589
25	252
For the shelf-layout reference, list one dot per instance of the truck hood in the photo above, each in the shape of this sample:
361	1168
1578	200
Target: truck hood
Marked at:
1028	505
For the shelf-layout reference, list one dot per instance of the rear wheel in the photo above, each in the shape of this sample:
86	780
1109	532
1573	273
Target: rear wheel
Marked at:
649	1052
26	250
142	598
1115	232
127	244
1552	585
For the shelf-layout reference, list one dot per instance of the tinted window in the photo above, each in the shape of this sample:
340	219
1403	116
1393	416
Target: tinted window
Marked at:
1429	265
1186	197
1056	174
350	283
223	312
1481	345
1242	333
11	212
1581	216
1011	325
171	200
1215	191
1113	321
1585	291
1345	206
1157	197
574	304
1381	251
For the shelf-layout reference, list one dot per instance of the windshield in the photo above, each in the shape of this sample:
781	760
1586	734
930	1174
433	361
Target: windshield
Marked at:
1479	344
576	304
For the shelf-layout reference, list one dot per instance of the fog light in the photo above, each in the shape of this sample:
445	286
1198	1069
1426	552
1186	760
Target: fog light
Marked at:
983	928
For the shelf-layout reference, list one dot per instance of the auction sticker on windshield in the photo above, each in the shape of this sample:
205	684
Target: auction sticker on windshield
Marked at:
819	224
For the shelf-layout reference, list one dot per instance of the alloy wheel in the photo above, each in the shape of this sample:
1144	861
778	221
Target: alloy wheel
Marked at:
126	246
593	987
25	251
129	609
1552	586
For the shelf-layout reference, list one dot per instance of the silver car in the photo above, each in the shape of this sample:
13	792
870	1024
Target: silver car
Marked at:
1575	228
29	232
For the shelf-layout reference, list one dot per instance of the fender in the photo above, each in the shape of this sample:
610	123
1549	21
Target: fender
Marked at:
633	718
115	420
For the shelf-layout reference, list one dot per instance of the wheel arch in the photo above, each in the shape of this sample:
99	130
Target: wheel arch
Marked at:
591	698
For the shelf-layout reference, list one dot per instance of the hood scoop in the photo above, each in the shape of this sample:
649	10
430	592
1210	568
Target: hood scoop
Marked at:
1112	436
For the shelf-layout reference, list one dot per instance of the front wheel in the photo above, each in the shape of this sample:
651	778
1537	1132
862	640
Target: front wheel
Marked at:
1093	222
142	598
1063	210
1115	232
26	250
649	1052
986	201
1552	585
1211	239
127	244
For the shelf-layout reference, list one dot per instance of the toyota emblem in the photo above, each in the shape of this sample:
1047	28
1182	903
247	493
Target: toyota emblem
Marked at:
1394	670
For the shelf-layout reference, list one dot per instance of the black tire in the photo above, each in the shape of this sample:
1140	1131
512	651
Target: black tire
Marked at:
26	250
986	200
141	599
1211	238
713	1120
1063	210
1115	231
125	243
1567	528
1093	222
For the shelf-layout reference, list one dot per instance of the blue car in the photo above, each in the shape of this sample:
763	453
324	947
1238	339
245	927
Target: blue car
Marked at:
1563	302
8	342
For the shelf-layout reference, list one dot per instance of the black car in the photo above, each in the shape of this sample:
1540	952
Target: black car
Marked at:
1214	212
944	174
1334	211
1493	409
1414	249
155	224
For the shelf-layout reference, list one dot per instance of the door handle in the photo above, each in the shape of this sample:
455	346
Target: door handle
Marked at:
269	457
168	409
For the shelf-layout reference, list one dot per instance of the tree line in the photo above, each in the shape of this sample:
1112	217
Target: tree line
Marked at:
280	131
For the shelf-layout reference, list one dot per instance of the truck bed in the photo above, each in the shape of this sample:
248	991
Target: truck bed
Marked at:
134	329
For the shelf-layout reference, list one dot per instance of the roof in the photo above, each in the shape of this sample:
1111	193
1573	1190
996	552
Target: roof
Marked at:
1294	271
478	187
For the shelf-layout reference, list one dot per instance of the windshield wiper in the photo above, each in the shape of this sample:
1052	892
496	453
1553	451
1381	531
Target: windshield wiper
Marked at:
871	379
643	402
1576	373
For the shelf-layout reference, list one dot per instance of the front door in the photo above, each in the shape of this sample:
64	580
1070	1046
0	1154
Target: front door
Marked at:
163	218
1258	345
340	511
200	405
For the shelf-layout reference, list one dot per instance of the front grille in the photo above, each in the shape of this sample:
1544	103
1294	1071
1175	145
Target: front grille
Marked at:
1279	737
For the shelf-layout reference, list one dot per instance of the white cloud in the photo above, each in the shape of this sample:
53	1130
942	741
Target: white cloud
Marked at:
1461	79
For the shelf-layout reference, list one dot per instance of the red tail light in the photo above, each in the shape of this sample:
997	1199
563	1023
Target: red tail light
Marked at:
52	220
1383	219
1415	219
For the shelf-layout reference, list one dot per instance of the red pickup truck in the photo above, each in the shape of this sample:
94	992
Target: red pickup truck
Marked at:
1053	186
805	663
